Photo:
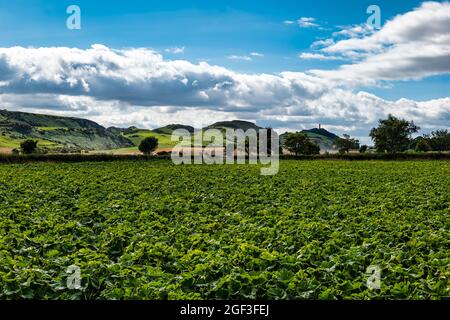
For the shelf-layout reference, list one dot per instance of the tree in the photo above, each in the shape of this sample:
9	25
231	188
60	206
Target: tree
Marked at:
439	140
269	140
148	145
247	145
28	146
393	134
299	143
422	145
363	149
347	143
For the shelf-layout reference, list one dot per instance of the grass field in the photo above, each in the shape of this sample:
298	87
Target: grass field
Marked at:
152	230
164	140
8	142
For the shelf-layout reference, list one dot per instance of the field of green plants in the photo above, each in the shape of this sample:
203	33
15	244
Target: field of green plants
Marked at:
153	230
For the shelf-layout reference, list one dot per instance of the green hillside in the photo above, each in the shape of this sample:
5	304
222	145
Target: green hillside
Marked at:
164	134
46	121
137	135
55	132
172	127
324	139
234	124
321	132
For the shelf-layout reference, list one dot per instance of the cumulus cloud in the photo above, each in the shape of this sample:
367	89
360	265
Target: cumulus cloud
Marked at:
354	31
143	77
408	47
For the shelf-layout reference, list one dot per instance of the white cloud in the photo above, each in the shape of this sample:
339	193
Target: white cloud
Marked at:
408	47
307	22
304	22
256	54
143	77
322	43
248	57
317	56
354	31
175	50
242	58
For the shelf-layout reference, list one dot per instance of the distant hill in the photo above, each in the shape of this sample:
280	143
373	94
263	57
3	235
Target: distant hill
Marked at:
322	132
325	139
42	120
54	132
172	127
59	133
234	124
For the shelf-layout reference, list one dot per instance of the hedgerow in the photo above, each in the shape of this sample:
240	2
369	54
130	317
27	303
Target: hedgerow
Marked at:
71	157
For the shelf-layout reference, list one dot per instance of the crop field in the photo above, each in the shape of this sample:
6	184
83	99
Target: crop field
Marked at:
153	230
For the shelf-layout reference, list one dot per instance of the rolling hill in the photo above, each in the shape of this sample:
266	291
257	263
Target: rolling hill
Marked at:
234	124
172	127
164	134
325	139
136	135
57	133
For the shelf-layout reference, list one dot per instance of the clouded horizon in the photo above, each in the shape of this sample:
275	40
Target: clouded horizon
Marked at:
345	77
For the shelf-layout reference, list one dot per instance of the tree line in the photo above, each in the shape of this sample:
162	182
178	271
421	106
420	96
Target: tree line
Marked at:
393	135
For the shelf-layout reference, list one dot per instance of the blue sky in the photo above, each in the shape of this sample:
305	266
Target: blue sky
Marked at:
208	30
246	37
